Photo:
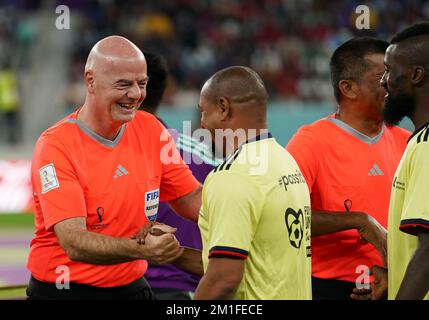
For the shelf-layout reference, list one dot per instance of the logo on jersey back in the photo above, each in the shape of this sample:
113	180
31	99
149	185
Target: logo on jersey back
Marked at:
290	179
398	184
151	204
295	226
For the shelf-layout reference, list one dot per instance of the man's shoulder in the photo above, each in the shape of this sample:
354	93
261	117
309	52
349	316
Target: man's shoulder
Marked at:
320	125
398	132
146	118
197	151
60	131
228	181
418	145
243	167
318	132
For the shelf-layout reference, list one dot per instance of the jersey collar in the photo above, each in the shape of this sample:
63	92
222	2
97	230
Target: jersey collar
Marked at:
262	136
355	133
95	136
418	130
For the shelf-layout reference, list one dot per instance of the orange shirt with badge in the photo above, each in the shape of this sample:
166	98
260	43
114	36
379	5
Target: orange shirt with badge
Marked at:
116	185
346	170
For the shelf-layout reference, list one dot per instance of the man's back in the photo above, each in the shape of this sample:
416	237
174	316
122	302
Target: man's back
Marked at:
256	207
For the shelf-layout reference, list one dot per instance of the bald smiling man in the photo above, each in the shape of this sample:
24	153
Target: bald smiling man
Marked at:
97	179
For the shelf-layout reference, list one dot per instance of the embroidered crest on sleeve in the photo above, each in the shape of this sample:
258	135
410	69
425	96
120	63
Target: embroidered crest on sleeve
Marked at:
48	178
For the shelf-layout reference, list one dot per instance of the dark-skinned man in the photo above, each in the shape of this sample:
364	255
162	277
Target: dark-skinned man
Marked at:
348	160
406	80
255	217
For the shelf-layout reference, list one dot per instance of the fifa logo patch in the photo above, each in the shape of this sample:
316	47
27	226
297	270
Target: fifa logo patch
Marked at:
48	178
151	204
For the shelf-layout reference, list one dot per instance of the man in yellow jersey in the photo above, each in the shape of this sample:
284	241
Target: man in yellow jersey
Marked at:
255	218
406	79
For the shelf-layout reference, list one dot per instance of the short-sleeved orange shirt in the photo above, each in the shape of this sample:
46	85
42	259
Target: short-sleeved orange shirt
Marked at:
116	185
344	168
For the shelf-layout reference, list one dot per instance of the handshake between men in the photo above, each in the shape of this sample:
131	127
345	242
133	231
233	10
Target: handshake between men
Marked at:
164	248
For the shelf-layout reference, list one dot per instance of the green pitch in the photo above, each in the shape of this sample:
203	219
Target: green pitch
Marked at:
20	220
12	293
14	226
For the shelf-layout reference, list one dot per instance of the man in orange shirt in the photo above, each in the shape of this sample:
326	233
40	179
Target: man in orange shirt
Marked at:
98	176
348	160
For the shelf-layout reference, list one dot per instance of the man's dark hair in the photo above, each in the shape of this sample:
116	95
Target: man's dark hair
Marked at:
418	29
157	71
414	42
348	60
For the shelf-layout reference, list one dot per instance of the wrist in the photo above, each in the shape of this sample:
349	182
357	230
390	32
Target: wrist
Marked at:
358	220
138	251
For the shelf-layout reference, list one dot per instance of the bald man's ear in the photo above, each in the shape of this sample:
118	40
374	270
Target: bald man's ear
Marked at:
225	108
418	75
89	81
348	88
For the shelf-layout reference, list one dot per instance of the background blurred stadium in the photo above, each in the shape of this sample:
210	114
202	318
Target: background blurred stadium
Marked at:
287	41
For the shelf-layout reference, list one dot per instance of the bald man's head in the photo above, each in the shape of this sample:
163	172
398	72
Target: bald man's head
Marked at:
233	106
240	85
111	49
116	79
233	98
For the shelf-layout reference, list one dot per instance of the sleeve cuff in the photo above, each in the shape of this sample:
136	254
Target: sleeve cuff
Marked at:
53	220
190	186
414	226
227	252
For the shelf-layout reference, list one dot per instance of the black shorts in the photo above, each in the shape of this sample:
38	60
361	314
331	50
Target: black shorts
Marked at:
171	294
329	289
136	290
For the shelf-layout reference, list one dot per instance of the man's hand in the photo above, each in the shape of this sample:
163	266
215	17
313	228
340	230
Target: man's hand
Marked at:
378	289
161	249
142	233
153	228
374	233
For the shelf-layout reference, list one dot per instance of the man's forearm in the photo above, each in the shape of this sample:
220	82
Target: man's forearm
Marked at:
325	222
214	289
415	284
188	206
101	249
190	261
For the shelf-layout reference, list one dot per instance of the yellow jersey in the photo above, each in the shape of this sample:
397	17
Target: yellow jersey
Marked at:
409	208
256	206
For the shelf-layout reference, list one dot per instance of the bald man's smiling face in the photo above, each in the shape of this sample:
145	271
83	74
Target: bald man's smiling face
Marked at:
119	87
